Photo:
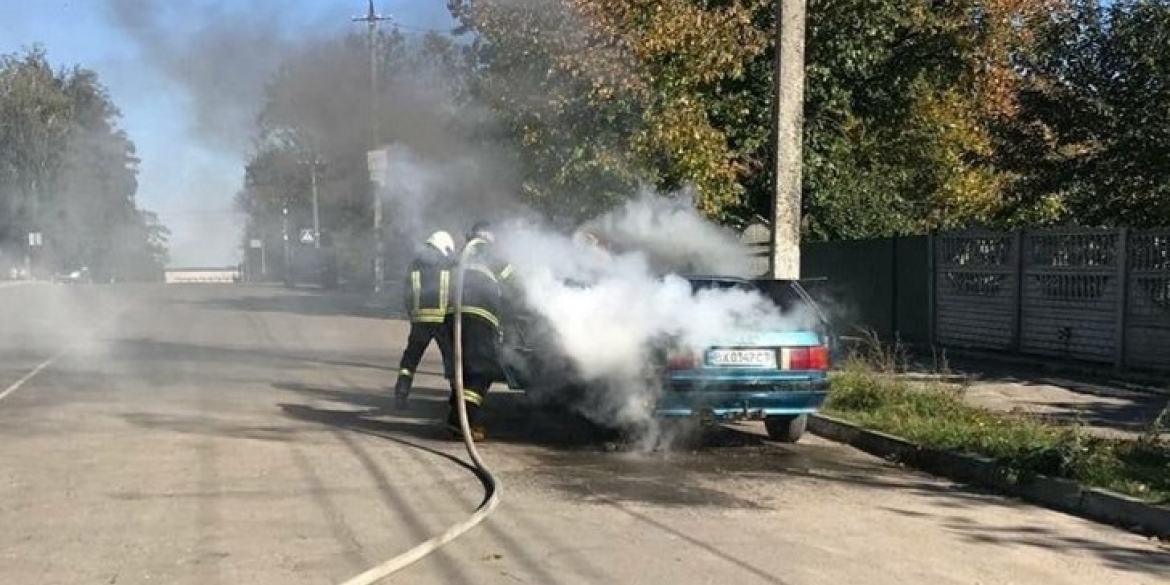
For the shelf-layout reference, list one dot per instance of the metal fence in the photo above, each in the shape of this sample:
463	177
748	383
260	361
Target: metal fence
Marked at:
1091	295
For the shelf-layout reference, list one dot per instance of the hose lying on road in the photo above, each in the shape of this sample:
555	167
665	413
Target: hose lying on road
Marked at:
492	487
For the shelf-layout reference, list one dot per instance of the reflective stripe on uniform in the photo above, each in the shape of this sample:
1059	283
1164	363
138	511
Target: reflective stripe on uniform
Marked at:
482	313
484	271
507	272
472	396
429	315
421	314
406	372
416	287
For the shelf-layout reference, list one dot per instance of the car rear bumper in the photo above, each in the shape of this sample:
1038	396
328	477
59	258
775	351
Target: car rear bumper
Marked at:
734	400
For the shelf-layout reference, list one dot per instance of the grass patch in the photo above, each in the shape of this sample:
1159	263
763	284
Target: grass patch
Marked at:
868	392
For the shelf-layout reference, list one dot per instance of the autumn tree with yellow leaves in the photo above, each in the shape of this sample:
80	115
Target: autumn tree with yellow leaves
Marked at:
902	100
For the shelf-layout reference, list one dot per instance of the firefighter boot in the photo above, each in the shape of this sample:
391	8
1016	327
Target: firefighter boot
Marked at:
478	433
402	390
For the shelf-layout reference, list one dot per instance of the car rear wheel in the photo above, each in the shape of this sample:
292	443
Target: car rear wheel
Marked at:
786	429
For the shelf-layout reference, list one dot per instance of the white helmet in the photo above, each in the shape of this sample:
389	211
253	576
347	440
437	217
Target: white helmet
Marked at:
443	242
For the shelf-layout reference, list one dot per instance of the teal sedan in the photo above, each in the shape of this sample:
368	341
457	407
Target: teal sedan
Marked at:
777	376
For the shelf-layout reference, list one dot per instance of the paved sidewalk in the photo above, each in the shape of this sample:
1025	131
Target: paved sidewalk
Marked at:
1108	410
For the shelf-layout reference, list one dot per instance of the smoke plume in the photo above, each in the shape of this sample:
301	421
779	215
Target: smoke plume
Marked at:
223	64
598	310
606	309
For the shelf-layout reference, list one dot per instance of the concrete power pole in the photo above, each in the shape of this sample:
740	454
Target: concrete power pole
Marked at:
316	209
788	128
372	19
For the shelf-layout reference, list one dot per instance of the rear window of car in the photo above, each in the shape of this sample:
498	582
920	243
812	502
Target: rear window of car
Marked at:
784	294
698	284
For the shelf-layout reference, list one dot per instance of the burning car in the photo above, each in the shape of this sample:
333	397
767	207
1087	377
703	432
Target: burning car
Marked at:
761	371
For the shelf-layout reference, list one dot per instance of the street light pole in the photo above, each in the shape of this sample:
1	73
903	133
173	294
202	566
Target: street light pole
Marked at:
287	249
313	162
372	19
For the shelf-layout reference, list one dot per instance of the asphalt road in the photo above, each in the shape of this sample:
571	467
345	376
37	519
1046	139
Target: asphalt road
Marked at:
214	435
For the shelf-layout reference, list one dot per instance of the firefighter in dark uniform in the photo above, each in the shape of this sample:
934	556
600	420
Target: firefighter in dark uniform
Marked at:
485	286
428	301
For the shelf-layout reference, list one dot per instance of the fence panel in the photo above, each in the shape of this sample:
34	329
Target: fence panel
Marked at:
860	273
975	290
912	289
1071	294
1147	319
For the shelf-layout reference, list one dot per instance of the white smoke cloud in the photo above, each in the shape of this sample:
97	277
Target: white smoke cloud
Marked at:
450	191
606	310
675	235
602	309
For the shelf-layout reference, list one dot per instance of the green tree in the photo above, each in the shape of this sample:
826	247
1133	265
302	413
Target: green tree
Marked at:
66	171
1094	137
902	99
601	96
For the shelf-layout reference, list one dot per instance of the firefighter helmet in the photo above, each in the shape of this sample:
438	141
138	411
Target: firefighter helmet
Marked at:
443	242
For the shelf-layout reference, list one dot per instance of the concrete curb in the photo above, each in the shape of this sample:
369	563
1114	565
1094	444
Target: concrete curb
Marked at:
1058	494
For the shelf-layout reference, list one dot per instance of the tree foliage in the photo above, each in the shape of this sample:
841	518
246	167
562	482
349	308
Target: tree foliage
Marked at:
1093	138
919	114
69	173
603	95
901	97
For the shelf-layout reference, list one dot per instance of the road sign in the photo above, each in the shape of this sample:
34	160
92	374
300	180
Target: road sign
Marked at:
307	237
35	240
378	161
256	244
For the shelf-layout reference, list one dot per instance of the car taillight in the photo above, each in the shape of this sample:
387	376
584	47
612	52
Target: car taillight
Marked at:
807	358
680	360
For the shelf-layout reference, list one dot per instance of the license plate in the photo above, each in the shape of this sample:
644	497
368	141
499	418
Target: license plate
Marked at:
742	358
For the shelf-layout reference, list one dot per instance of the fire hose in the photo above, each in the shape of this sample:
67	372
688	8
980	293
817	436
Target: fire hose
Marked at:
491	486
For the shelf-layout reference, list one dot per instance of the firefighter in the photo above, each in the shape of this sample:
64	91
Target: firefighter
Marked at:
427	299
484	277
482	231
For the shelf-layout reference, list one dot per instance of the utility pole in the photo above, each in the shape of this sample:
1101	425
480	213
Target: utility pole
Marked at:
788	128
372	19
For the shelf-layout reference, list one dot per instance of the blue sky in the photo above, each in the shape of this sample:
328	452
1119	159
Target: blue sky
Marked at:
184	75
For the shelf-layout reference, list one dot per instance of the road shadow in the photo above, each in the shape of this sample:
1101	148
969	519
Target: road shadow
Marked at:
990	370
509	417
586	462
1151	559
512	418
1132	417
151	350
1116	407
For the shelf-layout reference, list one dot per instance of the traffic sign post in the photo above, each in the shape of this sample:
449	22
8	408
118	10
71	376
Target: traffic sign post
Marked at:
257	244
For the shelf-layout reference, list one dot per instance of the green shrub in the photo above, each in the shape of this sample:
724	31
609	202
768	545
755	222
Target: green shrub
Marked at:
936	415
